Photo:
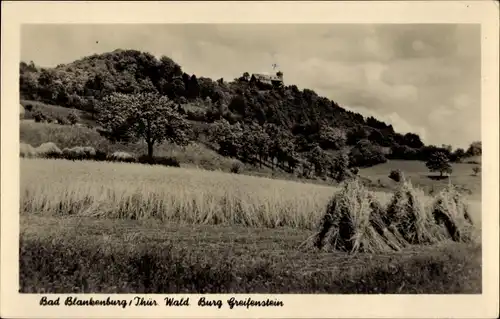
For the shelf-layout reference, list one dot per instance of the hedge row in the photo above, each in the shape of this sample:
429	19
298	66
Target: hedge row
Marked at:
50	150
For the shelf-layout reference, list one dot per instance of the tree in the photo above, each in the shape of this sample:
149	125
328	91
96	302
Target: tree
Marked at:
340	168
475	149
457	155
319	158
355	135
227	136
332	138
412	140
365	154
439	162
148	116
193	87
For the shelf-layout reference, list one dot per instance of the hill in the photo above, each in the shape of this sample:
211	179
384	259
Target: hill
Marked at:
313	127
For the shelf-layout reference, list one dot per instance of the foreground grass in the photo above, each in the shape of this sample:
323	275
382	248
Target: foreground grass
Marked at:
64	255
134	191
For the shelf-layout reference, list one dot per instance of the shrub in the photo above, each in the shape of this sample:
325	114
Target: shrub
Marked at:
396	175
365	154
122	157
89	151
100	155
73	118
236	168
27	151
61	120
353	222
450	212
39	116
476	170
157	160
28	107
83	153
49	150
74	153
355	170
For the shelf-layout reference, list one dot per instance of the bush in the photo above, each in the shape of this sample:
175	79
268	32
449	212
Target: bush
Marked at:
355	170
476	170
74	153
28	107
27	151
396	175
122	157
165	161
73	118
236	168
100	155
39	116
365	154
49	150
61	120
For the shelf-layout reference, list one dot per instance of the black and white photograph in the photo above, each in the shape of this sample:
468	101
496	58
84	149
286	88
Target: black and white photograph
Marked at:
249	158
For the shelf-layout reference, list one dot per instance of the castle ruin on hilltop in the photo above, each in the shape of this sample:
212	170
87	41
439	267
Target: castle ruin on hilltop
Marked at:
273	80
266	80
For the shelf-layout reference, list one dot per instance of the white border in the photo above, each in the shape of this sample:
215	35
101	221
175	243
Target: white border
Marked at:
14	14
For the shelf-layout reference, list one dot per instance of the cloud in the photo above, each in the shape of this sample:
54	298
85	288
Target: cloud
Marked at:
422	76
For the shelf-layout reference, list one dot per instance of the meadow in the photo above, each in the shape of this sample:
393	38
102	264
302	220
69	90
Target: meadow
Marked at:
118	227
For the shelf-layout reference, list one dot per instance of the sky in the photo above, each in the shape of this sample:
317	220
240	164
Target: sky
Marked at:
421	78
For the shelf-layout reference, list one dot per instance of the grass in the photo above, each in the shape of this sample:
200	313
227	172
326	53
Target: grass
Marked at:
419	175
85	255
120	228
134	191
55	111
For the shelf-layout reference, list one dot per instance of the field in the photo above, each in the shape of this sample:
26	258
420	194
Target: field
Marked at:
201	156
114	227
162	229
419	174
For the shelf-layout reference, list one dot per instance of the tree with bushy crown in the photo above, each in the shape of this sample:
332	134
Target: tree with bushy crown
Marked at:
475	149
318	157
439	162
147	116
341	167
227	136
332	138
